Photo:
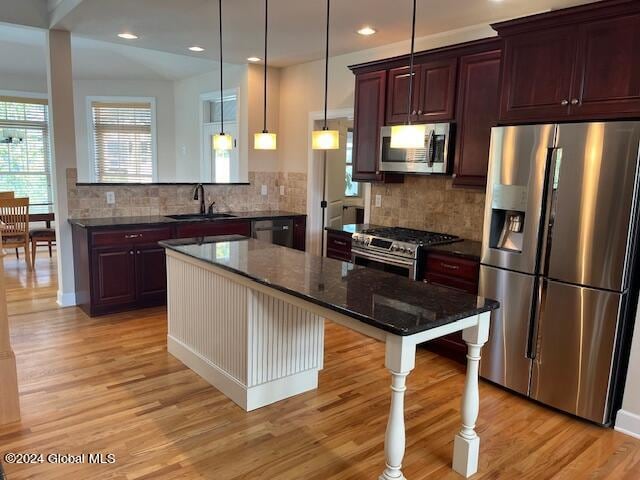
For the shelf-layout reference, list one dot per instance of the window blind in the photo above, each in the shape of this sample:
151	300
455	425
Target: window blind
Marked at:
122	142
25	166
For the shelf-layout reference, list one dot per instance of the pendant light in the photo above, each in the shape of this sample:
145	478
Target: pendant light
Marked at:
326	139
409	136
265	140
221	141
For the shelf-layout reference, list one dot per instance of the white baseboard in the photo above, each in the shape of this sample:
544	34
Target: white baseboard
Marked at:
628	423
248	398
66	299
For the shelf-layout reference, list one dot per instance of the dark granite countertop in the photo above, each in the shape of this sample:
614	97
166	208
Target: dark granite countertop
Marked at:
466	248
352	228
470	249
152	220
384	300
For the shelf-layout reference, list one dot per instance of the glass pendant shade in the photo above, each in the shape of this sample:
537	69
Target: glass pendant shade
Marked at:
264	141
408	136
222	141
325	140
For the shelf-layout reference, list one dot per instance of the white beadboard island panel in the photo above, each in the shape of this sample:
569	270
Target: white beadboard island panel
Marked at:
253	347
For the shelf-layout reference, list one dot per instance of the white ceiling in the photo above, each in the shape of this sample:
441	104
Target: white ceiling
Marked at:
22	53
296	26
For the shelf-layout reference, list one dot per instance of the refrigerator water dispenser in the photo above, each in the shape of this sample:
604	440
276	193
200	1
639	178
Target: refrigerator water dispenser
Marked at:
506	230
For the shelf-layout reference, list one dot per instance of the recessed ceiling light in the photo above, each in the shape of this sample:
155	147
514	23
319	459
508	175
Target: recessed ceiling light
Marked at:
196	48
366	31
254	59
128	36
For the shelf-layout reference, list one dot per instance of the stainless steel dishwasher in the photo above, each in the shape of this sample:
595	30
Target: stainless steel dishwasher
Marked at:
278	231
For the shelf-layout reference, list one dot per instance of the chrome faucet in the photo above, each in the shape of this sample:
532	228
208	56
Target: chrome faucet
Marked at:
198	194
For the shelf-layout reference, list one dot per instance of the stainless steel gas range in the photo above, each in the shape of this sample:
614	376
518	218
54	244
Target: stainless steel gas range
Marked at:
394	249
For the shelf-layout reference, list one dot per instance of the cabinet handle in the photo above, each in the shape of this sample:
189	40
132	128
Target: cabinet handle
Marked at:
449	266
138	252
564	103
340	242
133	235
419	112
574	101
130	252
414	112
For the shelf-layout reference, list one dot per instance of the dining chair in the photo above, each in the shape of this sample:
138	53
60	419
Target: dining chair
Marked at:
43	235
14	215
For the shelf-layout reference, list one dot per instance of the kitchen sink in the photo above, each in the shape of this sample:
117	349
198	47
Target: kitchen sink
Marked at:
197	216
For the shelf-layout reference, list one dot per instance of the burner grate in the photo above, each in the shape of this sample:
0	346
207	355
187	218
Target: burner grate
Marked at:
410	235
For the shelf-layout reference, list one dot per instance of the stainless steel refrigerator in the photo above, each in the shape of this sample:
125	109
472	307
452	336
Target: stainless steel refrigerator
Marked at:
559	243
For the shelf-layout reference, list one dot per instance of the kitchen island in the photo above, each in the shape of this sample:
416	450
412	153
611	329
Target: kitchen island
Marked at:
248	317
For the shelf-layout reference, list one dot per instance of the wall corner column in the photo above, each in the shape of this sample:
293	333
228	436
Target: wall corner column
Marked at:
9	400
63	152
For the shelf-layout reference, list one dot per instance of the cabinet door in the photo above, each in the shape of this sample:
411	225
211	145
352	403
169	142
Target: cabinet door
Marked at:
437	90
368	119
607	80
477	113
114	279
205	229
299	233
398	92
151	275
536	81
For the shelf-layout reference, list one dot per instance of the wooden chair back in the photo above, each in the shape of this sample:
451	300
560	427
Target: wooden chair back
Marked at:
4	195
14	214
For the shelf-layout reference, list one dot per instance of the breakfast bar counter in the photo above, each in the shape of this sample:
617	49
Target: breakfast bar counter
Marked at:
248	317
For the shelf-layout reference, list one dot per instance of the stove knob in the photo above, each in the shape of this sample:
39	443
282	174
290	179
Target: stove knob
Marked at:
394	248
402	249
410	251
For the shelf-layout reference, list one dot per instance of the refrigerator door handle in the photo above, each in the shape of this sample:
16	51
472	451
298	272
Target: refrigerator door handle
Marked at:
540	292
549	210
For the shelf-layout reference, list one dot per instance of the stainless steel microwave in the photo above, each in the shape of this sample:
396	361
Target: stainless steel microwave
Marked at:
434	158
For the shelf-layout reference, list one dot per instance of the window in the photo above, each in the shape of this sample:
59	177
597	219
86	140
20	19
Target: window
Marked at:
122	140
25	163
220	166
351	189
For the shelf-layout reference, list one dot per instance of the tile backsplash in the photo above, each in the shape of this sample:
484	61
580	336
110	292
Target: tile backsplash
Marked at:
429	203
134	200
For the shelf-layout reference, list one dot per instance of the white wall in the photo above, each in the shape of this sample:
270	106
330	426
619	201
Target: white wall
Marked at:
628	419
187	115
302	89
23	83
161	90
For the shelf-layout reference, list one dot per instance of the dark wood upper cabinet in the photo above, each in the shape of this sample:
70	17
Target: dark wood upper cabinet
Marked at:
437	82
433	95
578	63
536	81
368	119
398	94
607	74
477	112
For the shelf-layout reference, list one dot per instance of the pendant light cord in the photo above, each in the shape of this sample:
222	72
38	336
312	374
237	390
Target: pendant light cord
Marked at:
413	40
326	67
266	24
221	97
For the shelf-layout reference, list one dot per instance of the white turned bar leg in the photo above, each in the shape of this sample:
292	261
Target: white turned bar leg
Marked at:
400	359
466	445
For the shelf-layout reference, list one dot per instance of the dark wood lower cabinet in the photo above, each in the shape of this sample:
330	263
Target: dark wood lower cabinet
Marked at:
452	272
151	275
114	279
339	245
118	269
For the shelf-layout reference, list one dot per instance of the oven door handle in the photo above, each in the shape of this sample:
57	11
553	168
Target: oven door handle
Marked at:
382	259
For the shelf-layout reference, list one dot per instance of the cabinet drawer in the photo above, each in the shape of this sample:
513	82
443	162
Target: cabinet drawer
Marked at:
204	229
128	237
340	243
452	282
450	266
339	255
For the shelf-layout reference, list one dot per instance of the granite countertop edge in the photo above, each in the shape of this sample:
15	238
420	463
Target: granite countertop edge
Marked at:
172	244
154	220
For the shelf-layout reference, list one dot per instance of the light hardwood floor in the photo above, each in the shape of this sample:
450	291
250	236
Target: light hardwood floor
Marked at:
108	385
